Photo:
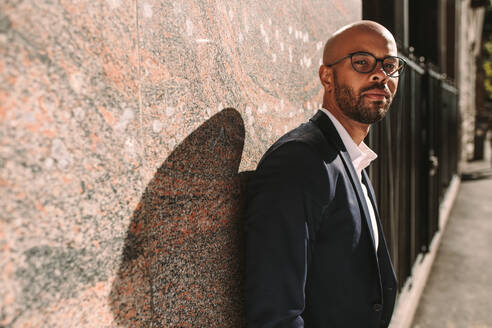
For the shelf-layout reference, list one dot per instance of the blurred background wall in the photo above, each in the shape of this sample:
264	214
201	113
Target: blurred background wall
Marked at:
127	129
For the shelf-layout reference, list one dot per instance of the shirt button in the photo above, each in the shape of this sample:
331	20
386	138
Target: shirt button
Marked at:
377	307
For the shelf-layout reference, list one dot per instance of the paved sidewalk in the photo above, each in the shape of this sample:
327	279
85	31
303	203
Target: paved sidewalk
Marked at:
458	293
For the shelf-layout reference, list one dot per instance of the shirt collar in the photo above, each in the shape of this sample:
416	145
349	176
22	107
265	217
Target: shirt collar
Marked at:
361	155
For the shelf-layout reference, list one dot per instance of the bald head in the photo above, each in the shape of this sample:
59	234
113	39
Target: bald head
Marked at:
343	40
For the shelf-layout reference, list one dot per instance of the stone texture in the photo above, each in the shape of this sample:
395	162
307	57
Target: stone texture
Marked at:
71	155
261	58
127	129
182	259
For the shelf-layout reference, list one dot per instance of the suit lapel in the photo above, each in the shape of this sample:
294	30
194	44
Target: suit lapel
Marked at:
331	135
360	194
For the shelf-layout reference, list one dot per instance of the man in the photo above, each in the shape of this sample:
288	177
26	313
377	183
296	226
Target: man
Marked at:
315	251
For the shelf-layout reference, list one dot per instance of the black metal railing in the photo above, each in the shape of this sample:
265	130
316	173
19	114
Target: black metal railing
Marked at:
418	148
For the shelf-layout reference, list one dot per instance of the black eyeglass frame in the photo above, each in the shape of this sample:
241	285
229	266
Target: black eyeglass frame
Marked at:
399	71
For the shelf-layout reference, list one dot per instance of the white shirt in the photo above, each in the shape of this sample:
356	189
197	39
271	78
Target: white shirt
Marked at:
361	157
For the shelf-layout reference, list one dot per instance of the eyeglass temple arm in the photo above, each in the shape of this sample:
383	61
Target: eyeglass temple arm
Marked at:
329	65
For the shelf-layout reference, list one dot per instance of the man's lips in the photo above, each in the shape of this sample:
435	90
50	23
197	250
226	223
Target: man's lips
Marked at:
376	94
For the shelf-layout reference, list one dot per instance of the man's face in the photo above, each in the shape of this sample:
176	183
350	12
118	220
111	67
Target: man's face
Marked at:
368	105
364	97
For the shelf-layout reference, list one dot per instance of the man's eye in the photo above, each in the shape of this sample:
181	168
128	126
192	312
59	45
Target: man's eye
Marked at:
361	62
389	67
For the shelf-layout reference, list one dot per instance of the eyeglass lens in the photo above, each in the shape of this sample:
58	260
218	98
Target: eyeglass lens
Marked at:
365	63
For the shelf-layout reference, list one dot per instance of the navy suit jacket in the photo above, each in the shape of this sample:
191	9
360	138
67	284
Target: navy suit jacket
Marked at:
310	254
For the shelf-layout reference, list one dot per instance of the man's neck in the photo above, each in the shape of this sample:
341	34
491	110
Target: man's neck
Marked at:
358	131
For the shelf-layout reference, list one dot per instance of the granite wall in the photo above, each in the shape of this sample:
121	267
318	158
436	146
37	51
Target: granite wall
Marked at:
127	129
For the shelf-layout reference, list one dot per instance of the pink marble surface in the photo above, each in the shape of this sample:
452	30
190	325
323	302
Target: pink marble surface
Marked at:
125	131
182	258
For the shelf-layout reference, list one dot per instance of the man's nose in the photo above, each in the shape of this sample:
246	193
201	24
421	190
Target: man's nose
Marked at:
378	73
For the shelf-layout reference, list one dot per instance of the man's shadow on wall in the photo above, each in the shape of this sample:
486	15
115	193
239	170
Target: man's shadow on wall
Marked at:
182	263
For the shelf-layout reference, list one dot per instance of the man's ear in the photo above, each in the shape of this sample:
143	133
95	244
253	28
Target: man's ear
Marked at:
326	77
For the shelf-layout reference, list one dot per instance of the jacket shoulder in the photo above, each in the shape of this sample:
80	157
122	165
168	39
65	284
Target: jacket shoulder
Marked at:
307	135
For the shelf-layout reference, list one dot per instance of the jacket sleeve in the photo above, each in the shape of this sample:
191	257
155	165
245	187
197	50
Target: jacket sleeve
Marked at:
280	201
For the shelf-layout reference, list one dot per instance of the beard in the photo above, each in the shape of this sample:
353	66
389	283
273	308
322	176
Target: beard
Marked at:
354	107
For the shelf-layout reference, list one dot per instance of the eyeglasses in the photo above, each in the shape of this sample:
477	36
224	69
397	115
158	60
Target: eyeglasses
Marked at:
365	62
